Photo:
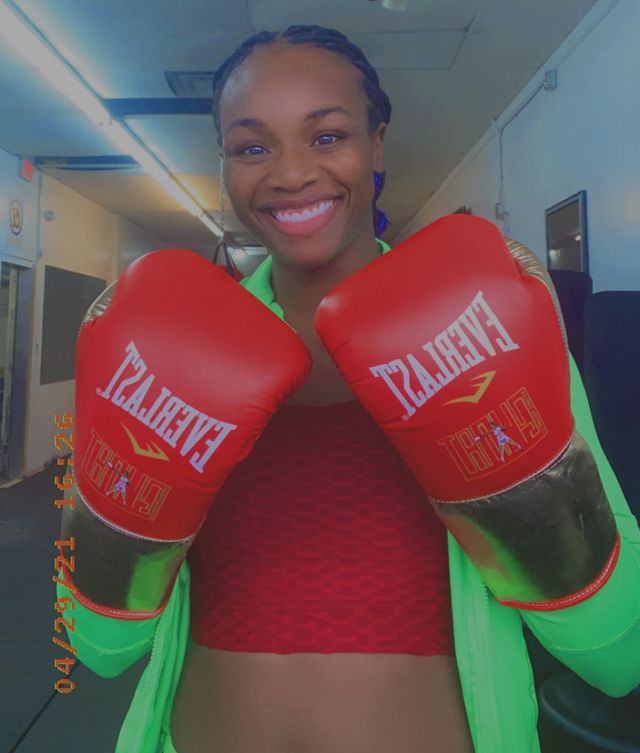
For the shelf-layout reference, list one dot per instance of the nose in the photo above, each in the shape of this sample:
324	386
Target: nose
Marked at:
292	168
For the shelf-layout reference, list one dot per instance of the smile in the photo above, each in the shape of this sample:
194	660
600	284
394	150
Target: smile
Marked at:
306	221
306	214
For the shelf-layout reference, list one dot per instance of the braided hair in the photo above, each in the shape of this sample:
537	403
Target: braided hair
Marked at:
379	109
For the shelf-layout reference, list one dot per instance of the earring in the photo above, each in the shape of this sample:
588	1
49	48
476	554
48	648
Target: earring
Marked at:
380	219
378	181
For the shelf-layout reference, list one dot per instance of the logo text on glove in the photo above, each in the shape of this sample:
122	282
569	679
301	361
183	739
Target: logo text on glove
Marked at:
120	482
496	438
170	417
477	334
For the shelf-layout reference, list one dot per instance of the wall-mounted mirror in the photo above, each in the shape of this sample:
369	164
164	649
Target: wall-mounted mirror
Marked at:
567	237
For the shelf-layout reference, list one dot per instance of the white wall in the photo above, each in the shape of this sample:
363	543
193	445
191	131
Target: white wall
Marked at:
18	249
584	135
86	238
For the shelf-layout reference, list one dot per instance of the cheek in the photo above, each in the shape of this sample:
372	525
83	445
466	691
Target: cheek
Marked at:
366	188
359	173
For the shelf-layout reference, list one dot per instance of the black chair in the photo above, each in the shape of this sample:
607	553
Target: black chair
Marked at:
575	717
573	289
612	381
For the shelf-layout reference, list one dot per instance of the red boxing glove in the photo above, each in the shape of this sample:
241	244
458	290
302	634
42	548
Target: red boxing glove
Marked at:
178	371
455	345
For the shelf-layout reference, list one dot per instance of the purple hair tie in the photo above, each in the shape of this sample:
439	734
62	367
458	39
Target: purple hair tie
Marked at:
380	220
380	223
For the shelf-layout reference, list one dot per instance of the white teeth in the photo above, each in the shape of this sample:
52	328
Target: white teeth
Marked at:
307	214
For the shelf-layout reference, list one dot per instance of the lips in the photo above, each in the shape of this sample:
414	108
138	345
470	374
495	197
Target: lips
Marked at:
298	215
305	227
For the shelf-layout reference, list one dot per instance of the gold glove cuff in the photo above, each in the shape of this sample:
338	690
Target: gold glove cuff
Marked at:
546	543
117	573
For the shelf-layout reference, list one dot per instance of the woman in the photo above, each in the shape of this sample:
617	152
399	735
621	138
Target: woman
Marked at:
327	625
303	699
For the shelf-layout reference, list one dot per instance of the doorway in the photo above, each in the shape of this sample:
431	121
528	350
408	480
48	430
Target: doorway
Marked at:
15	286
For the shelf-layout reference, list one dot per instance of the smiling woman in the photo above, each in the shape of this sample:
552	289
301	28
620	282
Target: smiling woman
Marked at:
322	606
324	658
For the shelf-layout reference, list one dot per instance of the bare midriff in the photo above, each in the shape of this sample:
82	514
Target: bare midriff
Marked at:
253	702
249	702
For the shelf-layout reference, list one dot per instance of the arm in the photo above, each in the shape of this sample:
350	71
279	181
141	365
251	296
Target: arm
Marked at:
468	340
106	645
455	335
170	396
599	639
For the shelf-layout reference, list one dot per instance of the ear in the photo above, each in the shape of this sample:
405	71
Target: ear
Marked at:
377	139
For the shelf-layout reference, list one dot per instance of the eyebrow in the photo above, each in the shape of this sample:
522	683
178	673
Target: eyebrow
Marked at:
313	115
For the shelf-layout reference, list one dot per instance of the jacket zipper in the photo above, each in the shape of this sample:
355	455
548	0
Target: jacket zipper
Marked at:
488	694
480	647
143	707
150	685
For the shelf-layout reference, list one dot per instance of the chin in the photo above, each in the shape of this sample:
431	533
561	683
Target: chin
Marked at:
304	252
306	258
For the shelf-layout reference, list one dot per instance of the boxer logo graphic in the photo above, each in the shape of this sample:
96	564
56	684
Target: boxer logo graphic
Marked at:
120	487
502	439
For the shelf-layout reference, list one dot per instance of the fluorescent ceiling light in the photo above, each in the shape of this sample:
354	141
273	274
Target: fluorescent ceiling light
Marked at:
36	52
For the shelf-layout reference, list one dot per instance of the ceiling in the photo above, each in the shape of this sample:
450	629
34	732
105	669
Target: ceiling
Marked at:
448	66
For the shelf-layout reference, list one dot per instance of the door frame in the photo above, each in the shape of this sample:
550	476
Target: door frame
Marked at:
17	428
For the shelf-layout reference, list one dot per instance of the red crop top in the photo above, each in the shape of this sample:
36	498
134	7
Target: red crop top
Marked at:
322	541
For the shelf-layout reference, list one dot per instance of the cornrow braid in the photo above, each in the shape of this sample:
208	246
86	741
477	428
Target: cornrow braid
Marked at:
379	109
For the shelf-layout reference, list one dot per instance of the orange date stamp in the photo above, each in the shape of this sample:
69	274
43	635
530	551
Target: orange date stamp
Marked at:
64	561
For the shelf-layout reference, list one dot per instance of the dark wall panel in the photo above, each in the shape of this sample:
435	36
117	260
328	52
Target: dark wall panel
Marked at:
67	296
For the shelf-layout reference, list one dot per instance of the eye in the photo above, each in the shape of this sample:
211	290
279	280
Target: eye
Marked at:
328	135
243	150
255	150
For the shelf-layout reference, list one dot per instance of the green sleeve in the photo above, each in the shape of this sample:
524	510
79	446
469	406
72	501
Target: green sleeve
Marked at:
107	645
599	638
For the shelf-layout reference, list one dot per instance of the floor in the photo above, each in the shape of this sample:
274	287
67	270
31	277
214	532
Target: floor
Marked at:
35	718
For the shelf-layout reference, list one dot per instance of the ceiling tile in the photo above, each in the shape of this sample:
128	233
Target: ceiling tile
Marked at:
483	89
119	35
412	93
503	50
35	120
407	50
185	143
57	135
170	51
364	16
112	17
533	17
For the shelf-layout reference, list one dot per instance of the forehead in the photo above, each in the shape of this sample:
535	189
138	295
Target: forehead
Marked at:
286	79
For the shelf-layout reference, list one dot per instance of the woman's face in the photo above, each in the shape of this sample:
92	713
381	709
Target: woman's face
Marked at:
286	157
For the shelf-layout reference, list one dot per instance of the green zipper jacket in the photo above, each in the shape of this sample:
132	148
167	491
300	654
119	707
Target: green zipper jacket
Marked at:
599	639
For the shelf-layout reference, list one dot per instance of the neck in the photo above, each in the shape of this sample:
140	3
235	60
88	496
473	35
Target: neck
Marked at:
299	290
